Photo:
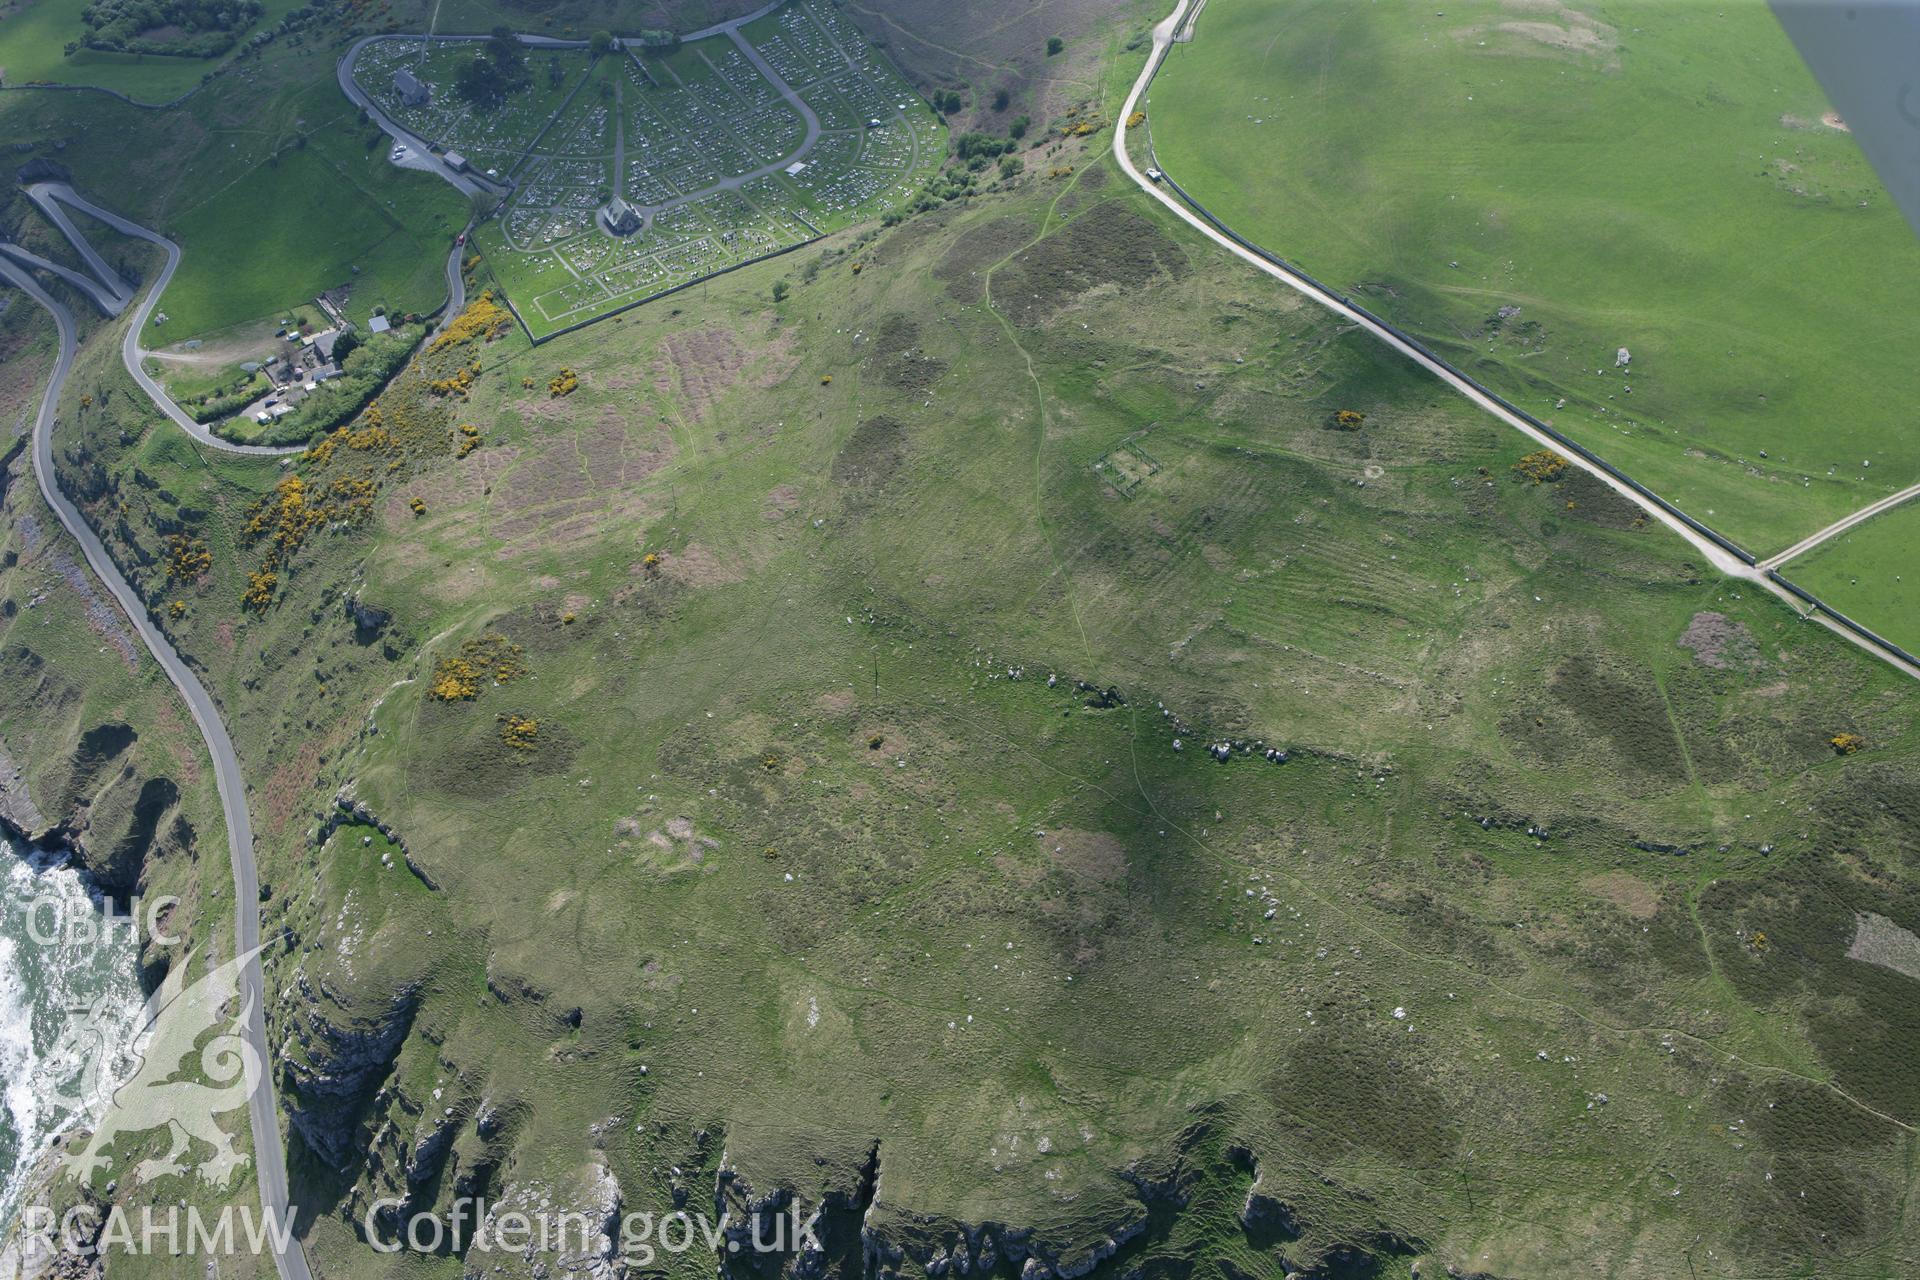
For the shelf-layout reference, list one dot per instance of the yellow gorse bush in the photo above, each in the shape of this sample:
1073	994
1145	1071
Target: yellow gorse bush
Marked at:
187	557
488	658
483	318
1542	466
519	732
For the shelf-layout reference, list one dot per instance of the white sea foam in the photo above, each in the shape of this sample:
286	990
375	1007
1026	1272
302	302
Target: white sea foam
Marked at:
45	987
16	1057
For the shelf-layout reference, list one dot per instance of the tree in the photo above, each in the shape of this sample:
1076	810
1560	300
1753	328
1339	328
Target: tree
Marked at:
780	290
1001	99
950	101
970	146
600	43
1054	45
486	82
478	82
1018	129
502	46
344	346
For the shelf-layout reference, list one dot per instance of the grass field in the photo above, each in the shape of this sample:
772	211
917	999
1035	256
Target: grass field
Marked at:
1871	573
836	741
862	789
35	33
267	181
1532	191
332	213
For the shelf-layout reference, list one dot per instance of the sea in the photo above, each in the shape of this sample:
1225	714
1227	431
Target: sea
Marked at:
69	994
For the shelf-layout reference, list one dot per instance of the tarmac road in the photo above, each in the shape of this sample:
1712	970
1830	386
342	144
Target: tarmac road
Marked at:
109	302
1715	554
269	1155
49	196
456	281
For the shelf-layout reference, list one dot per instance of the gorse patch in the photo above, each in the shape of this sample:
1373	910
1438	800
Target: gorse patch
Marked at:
261	585
483	319
340	475
489	659
1542	466
522	733
187	557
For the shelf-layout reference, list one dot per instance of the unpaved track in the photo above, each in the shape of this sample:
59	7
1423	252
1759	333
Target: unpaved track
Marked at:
1716	555
1841	525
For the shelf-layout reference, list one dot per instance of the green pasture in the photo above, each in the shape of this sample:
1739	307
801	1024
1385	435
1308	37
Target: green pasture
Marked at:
34	35
332	213
1530	192
1871	573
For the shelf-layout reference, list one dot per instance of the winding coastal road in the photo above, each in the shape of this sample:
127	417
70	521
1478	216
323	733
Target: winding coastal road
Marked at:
456	281
1718	556
269	1155
110	303
48	197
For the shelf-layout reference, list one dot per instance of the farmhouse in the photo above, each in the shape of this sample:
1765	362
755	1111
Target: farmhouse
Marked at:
408	88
